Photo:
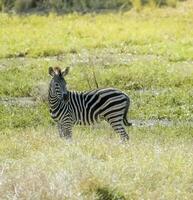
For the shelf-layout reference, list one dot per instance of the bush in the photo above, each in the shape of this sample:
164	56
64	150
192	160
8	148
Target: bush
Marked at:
79	5
22	5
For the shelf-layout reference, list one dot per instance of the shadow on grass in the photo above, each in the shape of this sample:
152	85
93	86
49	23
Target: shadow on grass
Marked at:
105	193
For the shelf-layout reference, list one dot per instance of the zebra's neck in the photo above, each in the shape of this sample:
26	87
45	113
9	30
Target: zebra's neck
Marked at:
56	104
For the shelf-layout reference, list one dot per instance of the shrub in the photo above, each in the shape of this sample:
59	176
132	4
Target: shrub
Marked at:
80	5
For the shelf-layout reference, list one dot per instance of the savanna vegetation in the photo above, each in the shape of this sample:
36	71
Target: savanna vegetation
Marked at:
80	5
148	55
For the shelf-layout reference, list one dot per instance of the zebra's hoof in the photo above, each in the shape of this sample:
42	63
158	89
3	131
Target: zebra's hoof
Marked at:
130	124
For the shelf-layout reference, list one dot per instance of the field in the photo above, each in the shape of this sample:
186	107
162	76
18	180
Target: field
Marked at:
148	55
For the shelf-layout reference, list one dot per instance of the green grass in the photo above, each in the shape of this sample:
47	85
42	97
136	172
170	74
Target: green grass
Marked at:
132	75
166	33
147	55
27	116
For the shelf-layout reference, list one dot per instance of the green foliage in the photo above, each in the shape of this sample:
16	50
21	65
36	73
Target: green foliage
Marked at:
22	5
81	5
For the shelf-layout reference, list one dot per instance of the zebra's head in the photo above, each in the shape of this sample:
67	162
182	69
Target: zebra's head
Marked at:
58	83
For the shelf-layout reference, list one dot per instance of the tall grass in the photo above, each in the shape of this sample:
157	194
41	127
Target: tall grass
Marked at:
36	164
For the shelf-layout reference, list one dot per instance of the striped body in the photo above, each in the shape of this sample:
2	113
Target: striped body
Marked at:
70	108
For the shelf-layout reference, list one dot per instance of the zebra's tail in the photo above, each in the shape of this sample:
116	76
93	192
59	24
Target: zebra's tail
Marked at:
126	123
125	120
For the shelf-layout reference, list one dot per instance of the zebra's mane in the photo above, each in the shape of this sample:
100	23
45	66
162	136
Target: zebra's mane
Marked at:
57	70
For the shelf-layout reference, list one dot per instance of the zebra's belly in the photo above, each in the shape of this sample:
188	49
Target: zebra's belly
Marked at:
61	117
86	119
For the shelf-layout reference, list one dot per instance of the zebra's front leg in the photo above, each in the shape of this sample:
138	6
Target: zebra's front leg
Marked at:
65	131
60	129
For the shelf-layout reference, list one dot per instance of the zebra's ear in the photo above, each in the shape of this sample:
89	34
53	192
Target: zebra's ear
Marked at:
51	71
66	71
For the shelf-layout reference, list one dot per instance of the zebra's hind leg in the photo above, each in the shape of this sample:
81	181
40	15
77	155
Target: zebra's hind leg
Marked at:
119	128
64	131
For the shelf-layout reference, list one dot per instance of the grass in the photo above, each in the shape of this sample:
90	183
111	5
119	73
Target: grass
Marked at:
27	116
132	75
42	166
148	55
166	33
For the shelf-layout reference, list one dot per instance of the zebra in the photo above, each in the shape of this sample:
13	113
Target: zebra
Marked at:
69	108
